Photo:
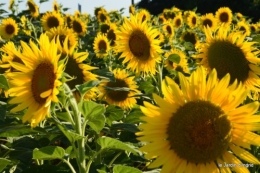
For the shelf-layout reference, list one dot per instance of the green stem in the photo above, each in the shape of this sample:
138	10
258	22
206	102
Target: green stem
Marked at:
70	166
91	160
80	150
112	161
160	79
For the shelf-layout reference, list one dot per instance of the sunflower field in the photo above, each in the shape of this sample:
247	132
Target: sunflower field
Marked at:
108	93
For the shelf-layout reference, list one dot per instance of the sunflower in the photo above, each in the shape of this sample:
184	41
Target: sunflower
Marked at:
131	9
224	16
24	24
208	20
33	8
79	71
11	5
227	52
136	40
168	14
243	27
8	28
55	6
104	27
68	20
161	19
240	17
168	29
111	36
124	99
202	118
60	33
178	21
192	20
35	85
101	45
253	28
103	16
189	36
78	26
51	19
182	66
144	15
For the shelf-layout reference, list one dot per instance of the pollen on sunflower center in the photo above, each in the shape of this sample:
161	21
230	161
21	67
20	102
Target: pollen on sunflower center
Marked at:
207	22
201	128
117	95
9	29
42	80
224	17
139	45
52	22
226	57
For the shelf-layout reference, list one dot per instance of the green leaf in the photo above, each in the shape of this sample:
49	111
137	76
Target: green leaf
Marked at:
113	114
125	169
19	130
125	126
105	74
3	82
4	163
147	87
65	9
134	116
63	116
87	86
188	46
94	114
42	1
72	136
110	143
174	58
49	153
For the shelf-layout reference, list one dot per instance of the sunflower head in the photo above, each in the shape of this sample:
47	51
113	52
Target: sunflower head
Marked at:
104	27
224	16
121	91
101	46
168	29
131	9
168	14
253	28
208	20
55	6
192	19
33	8
78	26
51	20
103	16
189	36
178	21
144	15
200	116
244	28
8	28
111	36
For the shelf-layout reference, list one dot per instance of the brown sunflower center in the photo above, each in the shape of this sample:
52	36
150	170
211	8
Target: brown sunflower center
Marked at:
224	17
194	20
31	7
52	22
43	79
178	23
72	69
199	132
226	57
139	45
111	37
9	29
190	37
242	28
102	17
104	28
77	27
143	18
169	29
207	22
117	95
252	28
102	45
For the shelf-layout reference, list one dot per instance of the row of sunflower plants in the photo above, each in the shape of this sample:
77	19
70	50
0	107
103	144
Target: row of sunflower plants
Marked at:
174	92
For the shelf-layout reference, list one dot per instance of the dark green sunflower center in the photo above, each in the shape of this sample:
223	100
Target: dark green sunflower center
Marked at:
194	20
117	95
139	45
9	29
43	79
102	45
169	29
52	21
226	57
190	37
72	69
31	7
207	22
224	17
111	37
77	27
199	132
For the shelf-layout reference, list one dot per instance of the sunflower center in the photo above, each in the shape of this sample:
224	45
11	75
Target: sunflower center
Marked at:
111	37
207	22
9	29
72	68
178	23
104	28
224	17
31	7
242	28
190	37
143	18
42	80
194	20
228	58
102	45
169	30
52	22
77	27
102	17
199	132
117	95
139	45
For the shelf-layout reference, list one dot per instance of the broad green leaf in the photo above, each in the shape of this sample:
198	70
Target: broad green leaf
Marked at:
19	130
42	1
63	116
87	86
113	114
188	46
105	73
110	143
147	87
256	39
125	169
94	114
125	126
71	136
174	58
49	153
65	9
4	163
3	82
134	116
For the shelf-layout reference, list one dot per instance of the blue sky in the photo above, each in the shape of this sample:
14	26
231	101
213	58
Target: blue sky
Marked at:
87	6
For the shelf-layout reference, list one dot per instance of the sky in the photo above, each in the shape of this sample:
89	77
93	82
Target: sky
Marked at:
87	6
